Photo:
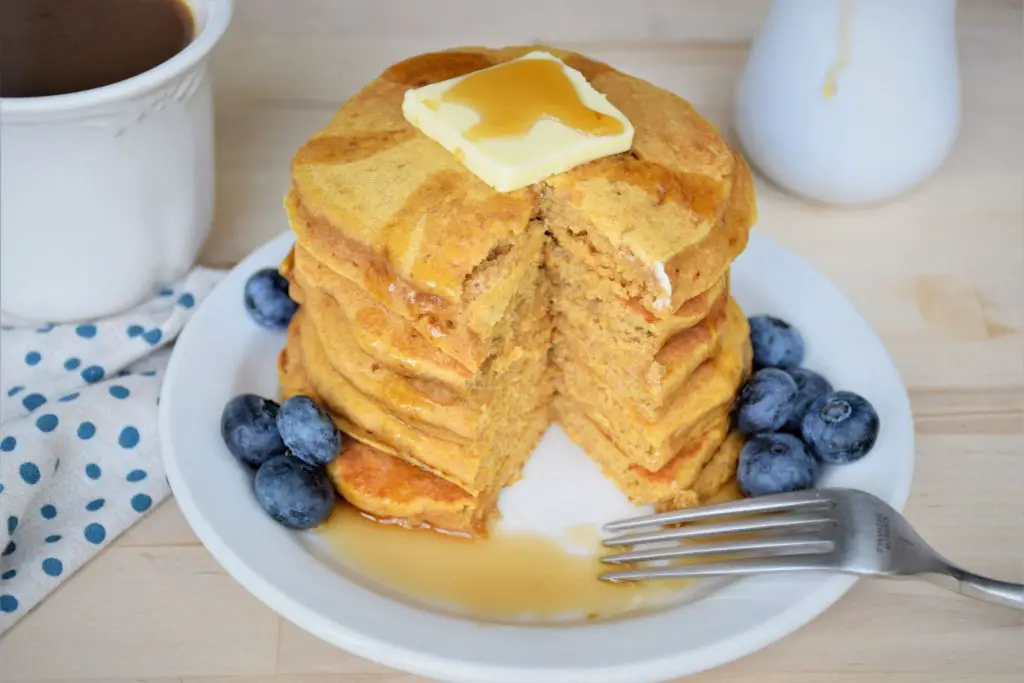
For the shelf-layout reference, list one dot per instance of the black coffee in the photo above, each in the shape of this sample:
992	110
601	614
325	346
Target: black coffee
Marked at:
53	47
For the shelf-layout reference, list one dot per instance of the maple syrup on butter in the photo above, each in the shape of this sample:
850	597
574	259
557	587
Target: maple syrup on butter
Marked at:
513	96
506	577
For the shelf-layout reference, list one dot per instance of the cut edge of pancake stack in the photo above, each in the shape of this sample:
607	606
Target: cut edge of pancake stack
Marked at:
444	325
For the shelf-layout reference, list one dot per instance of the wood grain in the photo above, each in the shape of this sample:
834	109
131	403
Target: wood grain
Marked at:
939	274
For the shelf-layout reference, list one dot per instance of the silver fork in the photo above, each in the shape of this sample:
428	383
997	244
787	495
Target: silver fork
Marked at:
841	530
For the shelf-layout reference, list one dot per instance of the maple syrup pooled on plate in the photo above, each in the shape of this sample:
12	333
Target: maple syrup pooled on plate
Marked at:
513	96
506	577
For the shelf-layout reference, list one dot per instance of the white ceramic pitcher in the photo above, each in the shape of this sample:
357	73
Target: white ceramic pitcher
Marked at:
851	101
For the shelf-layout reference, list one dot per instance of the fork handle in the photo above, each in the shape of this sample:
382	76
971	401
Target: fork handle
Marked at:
980	587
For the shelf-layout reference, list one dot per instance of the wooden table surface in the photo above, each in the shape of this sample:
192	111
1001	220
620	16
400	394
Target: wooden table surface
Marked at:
938	273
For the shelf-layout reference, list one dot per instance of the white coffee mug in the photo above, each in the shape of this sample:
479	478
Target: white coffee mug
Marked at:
108	193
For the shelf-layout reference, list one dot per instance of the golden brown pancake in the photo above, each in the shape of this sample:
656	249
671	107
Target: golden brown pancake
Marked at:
651	444
428	302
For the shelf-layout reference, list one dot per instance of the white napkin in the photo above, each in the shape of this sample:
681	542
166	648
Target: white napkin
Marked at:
79	455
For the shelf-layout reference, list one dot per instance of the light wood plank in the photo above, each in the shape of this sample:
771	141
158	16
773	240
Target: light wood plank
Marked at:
164	526
137	612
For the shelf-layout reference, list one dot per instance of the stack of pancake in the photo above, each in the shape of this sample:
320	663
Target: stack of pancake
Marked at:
444	324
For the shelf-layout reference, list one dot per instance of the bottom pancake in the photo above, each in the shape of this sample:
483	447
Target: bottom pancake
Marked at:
390	488
698	470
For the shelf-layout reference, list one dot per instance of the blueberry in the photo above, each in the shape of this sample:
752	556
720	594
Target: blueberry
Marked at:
840	427
248	426
809	386
765	402
775	463
294	493
307	431
267	300
777	344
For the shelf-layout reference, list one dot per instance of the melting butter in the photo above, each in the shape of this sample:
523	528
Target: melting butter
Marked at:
514	124
512	97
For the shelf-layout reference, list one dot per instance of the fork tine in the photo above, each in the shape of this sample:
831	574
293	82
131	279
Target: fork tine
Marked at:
729	568
767	544
789	522
798	500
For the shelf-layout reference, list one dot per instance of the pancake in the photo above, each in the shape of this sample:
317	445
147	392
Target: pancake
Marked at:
720	469
464	332
390	488
413	394
649	382
472	466
651	444
439	317
669	487
667	216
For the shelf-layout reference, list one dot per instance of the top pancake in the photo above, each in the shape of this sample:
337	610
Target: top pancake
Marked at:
370	183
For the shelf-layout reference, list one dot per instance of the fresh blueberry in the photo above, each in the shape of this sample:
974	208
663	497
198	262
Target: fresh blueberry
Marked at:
294	493
765	402
809	386
307	431
777	344
267	300
248	426
775	463
840	427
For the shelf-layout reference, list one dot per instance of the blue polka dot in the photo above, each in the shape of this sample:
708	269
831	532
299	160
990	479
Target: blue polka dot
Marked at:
148	373
52	538
29	472
69	397
14	391
12	524
86	431
48	327
95	533
48	511
93	471
8	444
93	374
56	464
86	331
9	574
47	423
53	567
1	488
129	437
33	358
166	291
123	373
186	300
141	502
136	475
153	336
118	391
135	330
8	603
9	550
33	401
94	505
72	363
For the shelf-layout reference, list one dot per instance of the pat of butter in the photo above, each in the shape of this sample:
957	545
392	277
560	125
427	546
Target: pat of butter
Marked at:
511	162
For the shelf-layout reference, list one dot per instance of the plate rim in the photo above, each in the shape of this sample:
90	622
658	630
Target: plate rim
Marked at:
828	589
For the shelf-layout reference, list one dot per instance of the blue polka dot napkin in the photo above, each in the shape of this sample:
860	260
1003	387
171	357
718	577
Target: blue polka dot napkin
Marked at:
79	455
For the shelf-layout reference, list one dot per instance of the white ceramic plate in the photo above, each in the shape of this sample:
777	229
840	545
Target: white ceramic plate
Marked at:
222	353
